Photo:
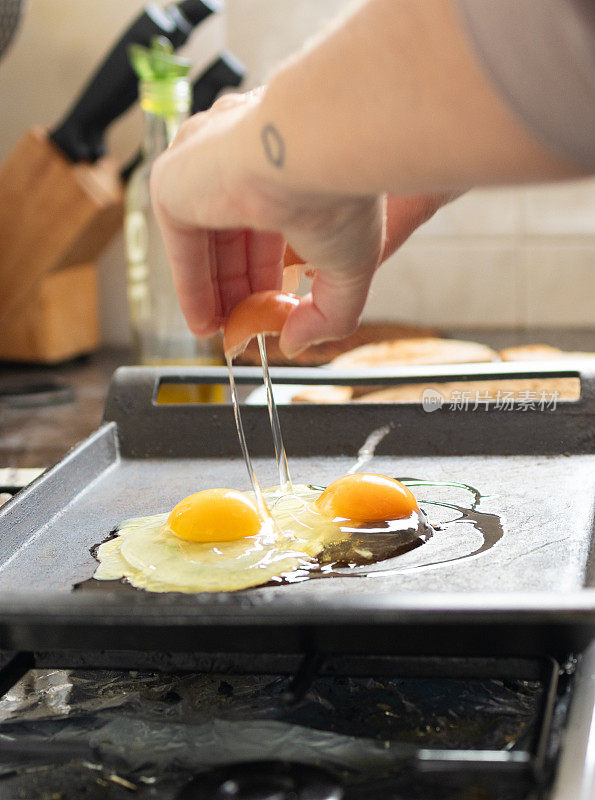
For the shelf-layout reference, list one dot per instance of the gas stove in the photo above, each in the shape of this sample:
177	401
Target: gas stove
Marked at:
337	729
467	678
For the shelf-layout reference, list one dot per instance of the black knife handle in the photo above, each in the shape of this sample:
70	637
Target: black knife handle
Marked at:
226	70
114	86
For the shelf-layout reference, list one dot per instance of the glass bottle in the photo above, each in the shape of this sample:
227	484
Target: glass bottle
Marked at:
160	333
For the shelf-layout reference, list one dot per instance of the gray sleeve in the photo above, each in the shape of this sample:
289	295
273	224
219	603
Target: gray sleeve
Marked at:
540	56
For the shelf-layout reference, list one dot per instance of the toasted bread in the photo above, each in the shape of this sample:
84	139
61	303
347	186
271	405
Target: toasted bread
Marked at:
470	392
427	350
323	394
539	352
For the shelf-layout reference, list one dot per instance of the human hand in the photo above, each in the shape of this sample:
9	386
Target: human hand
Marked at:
216	254
225	228
225	219
403	215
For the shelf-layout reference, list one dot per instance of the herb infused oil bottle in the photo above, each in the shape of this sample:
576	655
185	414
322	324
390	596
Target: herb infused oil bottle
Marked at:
160	333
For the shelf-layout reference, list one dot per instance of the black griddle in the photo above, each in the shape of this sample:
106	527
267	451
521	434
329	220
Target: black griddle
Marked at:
532	594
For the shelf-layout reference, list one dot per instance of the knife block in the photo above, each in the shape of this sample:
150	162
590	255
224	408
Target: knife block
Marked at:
54	215
57	321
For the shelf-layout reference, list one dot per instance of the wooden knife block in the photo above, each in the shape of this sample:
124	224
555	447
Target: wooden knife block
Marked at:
55	219
58	319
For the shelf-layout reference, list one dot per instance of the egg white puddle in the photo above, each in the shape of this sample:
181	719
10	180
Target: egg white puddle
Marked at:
150	557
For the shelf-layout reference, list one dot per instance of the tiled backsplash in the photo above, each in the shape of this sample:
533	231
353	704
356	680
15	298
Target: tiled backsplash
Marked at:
500	257
478	263
506	257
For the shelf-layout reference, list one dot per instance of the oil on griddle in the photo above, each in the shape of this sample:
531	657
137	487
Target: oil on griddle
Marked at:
370	553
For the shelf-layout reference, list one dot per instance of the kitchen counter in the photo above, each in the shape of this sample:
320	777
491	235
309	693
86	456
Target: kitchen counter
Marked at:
39	435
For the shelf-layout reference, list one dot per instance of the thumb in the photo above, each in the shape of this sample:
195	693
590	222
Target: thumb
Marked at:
330	311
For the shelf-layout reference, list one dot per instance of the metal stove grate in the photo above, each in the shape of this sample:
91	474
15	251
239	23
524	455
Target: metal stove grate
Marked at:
361	722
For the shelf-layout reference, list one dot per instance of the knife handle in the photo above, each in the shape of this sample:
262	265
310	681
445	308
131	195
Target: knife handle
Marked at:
114	86
226	70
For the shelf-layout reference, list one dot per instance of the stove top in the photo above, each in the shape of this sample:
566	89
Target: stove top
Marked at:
107	696
431	729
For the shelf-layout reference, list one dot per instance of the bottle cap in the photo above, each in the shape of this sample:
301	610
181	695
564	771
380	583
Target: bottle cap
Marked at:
164	85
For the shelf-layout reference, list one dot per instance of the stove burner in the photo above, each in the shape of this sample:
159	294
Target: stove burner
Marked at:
263	780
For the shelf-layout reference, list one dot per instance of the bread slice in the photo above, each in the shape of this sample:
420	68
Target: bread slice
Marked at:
394	352
427	350
539	352
501	390
323	394
432	350
322	353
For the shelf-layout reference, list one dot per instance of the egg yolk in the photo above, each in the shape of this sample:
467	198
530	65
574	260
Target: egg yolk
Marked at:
261	312
215	515
366	497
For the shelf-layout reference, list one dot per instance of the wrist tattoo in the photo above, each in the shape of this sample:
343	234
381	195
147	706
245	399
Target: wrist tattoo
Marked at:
274	146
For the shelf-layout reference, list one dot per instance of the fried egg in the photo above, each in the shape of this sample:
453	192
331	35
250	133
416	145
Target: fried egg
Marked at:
212	541
218	540
367	497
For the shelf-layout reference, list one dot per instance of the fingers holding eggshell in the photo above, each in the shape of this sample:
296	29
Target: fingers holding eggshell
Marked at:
330	311
292	269
231	272
262	312
264	251
192	260
247	261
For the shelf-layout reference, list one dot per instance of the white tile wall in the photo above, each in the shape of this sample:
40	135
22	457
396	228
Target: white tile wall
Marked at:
564	210
506	257
444	284
560	284
264	32
478	213
476	262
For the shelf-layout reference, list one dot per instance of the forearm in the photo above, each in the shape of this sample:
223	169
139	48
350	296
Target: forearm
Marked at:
391	99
